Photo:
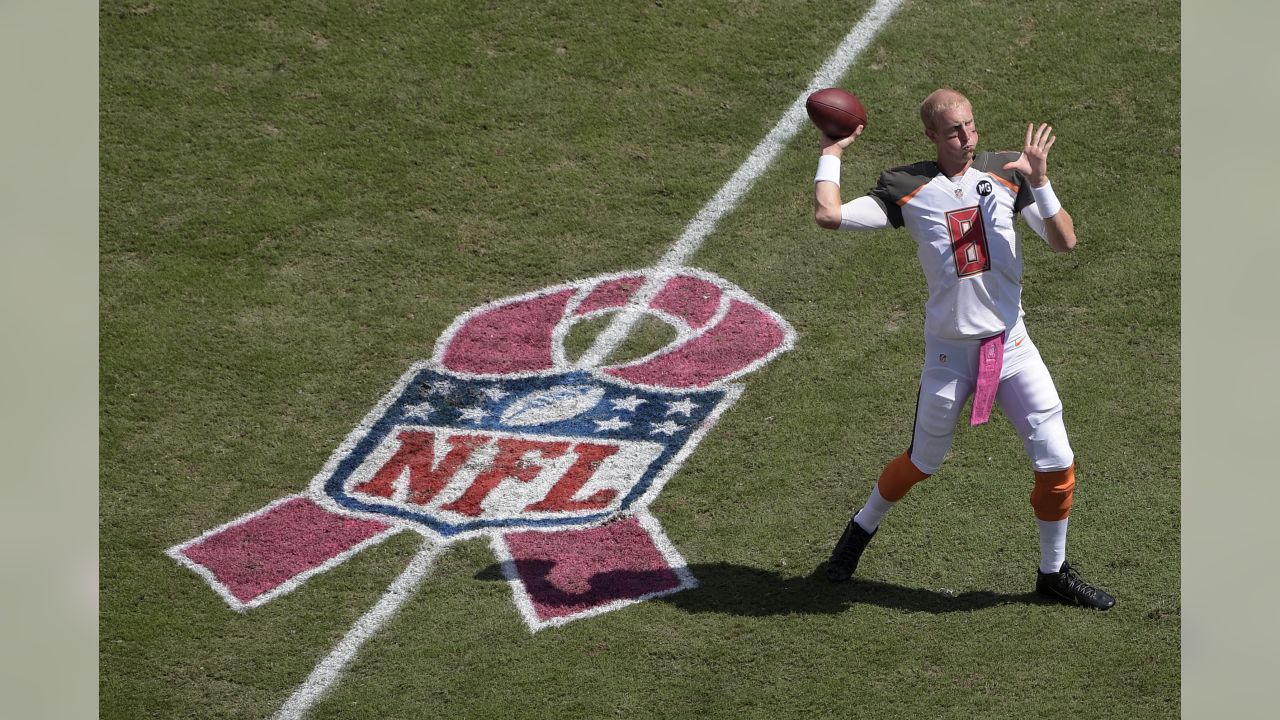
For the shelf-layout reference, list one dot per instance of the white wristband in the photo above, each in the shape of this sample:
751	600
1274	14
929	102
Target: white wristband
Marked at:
1046	200
828	169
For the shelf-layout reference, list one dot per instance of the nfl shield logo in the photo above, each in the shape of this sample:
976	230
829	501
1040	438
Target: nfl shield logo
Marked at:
458	456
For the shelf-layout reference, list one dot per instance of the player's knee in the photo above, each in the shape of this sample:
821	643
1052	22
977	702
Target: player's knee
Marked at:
1053	492
930	443
927	453
1048	445
939	404
934	432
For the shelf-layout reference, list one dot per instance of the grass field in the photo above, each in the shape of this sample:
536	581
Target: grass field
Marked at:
297	199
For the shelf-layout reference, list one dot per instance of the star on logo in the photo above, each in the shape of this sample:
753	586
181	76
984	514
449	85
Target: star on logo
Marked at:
494	393
474	414
666	428
630	403
613	423
686	407
421	410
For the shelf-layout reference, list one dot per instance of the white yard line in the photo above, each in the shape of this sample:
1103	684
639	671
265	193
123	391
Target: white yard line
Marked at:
737	187
327	673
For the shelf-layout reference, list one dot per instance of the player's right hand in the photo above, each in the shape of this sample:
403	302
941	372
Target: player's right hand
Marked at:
835	146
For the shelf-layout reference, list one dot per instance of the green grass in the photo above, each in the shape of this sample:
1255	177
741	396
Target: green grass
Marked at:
297	200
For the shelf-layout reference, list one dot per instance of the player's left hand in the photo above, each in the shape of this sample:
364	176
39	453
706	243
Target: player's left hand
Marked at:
1034	160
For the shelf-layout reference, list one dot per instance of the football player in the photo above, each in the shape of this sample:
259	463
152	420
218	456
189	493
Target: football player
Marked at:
960	209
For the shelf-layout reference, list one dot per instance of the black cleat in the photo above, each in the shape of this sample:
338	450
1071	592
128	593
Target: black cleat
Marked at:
1067	586
844	559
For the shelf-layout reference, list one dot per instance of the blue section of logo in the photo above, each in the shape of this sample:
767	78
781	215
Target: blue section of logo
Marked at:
575	405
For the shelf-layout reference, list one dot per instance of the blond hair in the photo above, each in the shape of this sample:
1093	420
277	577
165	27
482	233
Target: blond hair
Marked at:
938	102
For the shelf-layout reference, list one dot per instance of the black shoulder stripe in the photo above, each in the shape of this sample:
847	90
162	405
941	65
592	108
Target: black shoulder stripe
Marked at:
898	183
906	179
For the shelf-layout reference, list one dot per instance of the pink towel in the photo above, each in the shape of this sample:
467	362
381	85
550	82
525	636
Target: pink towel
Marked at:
990	360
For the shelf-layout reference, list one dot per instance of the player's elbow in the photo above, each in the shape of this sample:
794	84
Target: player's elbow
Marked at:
1062	246
827	218
1064	242
1061	232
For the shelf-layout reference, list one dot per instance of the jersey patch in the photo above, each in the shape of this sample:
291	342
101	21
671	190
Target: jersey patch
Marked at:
992	163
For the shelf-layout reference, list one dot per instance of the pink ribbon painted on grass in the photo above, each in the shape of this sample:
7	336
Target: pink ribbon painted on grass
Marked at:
559	574
255	556
575	572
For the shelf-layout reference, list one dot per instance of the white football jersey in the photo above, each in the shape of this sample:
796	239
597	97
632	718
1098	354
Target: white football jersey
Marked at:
965	239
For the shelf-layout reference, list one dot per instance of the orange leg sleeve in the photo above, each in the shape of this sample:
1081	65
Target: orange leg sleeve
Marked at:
898	477
1051	497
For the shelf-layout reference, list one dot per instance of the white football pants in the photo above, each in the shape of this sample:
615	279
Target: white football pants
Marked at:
1026	395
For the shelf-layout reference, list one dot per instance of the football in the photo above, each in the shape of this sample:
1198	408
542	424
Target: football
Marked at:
553	405
836	112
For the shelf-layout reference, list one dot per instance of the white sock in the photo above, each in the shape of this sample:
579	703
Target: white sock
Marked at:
1053	544
869	517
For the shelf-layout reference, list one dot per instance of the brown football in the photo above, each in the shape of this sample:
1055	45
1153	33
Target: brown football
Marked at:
836	112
